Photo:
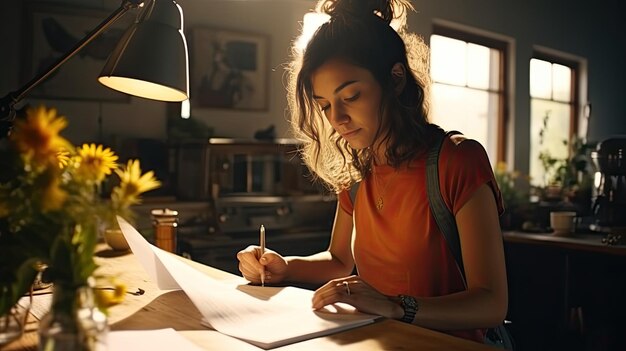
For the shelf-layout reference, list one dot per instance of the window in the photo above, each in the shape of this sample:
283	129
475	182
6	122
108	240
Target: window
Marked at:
552	122
468	92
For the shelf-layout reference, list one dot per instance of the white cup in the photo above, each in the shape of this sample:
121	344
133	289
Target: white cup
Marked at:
562	222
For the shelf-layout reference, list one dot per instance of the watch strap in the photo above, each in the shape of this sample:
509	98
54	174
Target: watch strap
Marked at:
410	306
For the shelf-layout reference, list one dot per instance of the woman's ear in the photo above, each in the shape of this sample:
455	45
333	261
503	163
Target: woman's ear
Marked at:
398	74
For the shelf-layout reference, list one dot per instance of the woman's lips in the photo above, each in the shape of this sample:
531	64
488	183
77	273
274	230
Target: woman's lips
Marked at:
350	133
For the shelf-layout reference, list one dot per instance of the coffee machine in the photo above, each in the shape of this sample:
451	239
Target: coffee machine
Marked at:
609	193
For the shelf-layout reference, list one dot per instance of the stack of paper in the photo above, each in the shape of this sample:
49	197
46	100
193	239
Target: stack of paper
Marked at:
264	316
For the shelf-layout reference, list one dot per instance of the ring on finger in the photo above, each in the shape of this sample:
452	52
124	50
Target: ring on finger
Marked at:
347	285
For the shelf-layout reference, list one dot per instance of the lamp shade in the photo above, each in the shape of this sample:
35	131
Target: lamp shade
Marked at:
151	59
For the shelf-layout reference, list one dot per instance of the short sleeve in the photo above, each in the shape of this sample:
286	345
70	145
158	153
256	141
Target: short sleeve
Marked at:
345	202
464	167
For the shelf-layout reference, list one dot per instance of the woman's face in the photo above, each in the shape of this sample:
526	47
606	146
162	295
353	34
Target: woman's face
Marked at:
350	98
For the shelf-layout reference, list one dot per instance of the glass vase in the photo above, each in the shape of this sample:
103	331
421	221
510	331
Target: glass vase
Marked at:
12	323
74	322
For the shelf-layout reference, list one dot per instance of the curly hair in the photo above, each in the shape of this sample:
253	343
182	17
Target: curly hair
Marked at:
360	32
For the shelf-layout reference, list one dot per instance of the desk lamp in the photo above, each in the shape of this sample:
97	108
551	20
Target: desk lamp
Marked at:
149	61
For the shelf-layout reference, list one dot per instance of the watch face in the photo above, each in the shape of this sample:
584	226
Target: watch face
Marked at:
409	301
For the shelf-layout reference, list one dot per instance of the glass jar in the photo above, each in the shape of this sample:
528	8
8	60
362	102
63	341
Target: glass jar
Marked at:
165	222
74	322
12	323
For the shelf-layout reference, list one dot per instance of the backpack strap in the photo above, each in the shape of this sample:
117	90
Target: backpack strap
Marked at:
444	218
498	336
353	190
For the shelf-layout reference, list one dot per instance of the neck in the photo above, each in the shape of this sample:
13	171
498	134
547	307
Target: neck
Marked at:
380	157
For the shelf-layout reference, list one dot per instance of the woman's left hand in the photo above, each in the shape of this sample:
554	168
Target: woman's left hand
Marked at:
356	292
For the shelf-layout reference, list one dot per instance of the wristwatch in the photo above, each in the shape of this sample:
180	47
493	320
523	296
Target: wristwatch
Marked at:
410	308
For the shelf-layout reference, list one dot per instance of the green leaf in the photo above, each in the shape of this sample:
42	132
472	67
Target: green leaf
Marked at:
13	289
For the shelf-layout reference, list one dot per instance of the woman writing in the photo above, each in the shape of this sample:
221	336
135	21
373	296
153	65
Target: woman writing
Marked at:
359	104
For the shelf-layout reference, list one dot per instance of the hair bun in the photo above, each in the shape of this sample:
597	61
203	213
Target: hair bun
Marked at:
387	10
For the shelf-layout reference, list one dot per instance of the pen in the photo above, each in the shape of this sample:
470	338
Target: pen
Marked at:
262	244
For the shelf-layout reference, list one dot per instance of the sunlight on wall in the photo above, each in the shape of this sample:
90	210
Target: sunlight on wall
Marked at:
310	22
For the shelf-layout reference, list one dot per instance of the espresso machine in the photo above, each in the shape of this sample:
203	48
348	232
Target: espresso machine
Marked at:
609	192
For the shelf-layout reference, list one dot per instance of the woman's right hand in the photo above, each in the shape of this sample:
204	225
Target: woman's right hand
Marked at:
252	264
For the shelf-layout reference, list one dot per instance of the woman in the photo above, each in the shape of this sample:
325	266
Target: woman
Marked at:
358	103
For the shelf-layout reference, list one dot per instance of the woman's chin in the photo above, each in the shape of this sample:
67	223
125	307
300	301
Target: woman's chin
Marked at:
355	144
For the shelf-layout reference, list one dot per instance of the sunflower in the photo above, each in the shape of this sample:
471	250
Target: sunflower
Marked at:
63	156
51	202
95	162
109	292
37	137
133	183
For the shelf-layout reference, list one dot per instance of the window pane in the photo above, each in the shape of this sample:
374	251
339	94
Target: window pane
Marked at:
447	57
469	111
555	135
494	72
561	83
478	62
540	79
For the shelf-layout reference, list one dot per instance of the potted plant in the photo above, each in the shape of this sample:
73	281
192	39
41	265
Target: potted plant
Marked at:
515	200
50	212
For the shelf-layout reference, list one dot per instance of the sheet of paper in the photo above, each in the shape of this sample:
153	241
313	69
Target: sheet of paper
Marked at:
153	340
144	253
264	316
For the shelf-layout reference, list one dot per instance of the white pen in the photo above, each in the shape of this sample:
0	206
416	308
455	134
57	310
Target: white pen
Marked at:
262	244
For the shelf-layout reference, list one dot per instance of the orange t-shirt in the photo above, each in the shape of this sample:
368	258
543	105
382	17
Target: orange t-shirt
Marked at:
400	249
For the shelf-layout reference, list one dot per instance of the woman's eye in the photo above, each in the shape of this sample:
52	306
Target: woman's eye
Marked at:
353	97
324	107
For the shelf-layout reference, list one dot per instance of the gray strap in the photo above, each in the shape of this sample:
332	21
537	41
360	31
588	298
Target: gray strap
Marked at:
353	190
444	218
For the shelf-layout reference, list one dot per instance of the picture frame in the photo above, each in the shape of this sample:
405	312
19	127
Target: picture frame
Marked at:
229	69
51	32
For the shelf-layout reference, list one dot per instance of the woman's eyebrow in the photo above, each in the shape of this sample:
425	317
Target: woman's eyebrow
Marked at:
338	89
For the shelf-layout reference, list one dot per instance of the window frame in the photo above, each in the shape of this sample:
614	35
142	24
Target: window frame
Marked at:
574	90
504	79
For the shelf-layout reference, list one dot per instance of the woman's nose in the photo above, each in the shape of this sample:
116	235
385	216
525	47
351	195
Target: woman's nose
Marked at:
338	115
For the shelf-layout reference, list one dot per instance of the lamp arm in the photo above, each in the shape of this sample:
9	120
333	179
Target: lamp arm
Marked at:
7	103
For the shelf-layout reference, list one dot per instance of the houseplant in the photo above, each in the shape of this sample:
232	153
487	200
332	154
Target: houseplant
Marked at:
51	209
564	165
513	198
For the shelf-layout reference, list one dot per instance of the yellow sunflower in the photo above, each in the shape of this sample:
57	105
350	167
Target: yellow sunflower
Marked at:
95	162
133	183
37	137
63	156
109	292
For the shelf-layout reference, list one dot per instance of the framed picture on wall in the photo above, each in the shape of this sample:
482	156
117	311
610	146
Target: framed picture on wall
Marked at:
51	32
229	69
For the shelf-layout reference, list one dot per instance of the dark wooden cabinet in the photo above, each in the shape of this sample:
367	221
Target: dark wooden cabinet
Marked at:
566	293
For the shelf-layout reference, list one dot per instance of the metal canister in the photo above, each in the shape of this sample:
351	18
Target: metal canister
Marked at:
165	222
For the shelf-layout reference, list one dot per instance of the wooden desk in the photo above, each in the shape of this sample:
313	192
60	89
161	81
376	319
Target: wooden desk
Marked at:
172	309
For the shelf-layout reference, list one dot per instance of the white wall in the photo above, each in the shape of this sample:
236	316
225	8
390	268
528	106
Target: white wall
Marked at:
590	30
